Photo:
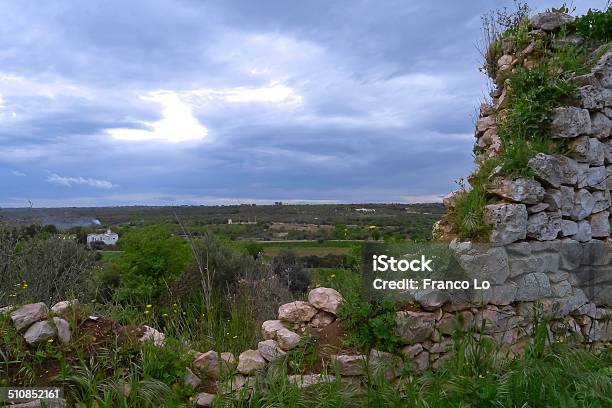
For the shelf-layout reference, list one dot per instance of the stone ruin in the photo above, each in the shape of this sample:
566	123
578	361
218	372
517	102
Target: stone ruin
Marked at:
570	195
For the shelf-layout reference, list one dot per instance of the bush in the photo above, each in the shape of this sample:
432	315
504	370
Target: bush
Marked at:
43	270
595	25
152	259
288	267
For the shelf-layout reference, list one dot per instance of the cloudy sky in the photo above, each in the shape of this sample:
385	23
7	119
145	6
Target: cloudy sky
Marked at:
206	102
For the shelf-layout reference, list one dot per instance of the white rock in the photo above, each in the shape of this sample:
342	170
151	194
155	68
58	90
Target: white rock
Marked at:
26	315
270	327
326	299
204	399
270	350
569	122
554	170
158	338
207	364
600	125
349	364
309	380
549	21
508	221
587	149
287	340
544	226
583	205
251	362
63	330
298	311
519	190
568	228
62	307
39	332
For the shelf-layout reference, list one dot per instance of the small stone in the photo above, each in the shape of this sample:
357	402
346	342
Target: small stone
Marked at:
412	350
584	232
39	332
533	286
414	327
587	149
600	224
583	205
508	221
519	190
568	227
322	319
349	364
270	350
544	226
270	327
554	170
27	315
62	307
204	399
298	311
63	330
207	364
251	362
326	299
570	122
150	334
191	379
550	21
308	380
287	340
533	209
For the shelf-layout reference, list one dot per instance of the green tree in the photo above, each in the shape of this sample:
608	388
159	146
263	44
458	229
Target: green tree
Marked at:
152	258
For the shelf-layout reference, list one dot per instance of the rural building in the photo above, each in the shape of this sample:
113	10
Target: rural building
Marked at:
108	238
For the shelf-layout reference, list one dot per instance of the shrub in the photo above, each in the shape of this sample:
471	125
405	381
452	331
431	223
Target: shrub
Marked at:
152	259
288	267
595	25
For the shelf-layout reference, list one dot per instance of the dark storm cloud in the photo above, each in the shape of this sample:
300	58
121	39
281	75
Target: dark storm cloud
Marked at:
161	102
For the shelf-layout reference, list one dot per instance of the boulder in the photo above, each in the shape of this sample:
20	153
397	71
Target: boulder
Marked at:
270	350
519	190
549	21
27	315
63	330
350	364
64	306
326	299
431	299
583	205
251	362
587	149
544	226
554	170
508	221
287	340
39	332
600	224
270	327
414	327
298	311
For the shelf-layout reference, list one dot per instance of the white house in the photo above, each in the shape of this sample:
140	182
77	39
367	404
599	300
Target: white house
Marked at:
108	238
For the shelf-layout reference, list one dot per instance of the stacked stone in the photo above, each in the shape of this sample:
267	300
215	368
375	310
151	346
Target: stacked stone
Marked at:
570	196
37	324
